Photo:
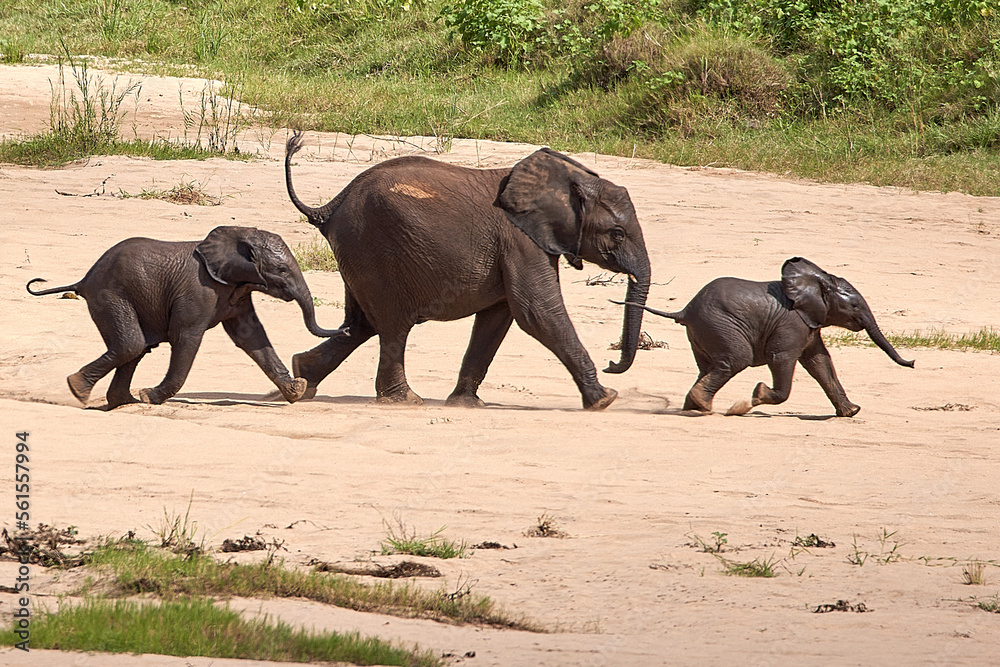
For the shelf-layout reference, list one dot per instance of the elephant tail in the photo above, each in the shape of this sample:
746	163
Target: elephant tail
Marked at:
51	290
676	317
293	146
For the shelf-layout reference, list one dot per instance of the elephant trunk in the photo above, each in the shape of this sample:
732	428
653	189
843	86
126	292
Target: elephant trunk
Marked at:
638	290
883	343
309	315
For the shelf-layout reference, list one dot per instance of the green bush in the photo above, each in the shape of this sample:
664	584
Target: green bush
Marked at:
507	29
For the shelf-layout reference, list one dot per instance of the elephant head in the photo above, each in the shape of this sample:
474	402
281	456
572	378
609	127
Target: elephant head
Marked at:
248	256
822	299
568	210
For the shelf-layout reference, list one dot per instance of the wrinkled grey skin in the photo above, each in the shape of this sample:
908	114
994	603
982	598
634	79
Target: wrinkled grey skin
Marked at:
144	292
417	240
734	323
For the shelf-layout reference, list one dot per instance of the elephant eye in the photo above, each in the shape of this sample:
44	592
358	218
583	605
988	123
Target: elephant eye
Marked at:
617	234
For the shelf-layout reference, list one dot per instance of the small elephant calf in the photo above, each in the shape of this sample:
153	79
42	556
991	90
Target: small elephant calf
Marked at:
734	323
144	292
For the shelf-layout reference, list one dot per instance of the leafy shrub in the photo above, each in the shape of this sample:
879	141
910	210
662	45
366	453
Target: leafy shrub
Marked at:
508	29
713	78
897	53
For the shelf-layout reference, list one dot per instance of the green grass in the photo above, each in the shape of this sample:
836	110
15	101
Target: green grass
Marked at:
50	149
200	627
133	568
834	91
992	606
433	545
986	339
758	567
315	255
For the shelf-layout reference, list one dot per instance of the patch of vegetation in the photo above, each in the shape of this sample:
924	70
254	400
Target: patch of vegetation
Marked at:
716	546
986	339
186	627
315	255
134	568
887	553
758	567
812	540
992	606
177	533
402	541
904	93
182	193
974	573
545	527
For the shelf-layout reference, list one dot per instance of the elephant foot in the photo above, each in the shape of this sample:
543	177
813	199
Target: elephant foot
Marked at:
80	387
152	395
694	404
739	408
118	401
294	389
604	401
401	397
465	401
302	368
848	410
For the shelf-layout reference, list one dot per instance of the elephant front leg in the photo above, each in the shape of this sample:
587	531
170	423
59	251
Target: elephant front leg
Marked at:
488	331
550	325
183	349
782	370
818	363
315	364
247	332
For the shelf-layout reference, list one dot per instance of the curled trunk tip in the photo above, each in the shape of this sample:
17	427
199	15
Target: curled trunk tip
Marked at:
631	324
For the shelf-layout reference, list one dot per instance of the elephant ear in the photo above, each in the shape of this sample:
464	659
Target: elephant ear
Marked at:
544	197
807	286
230	255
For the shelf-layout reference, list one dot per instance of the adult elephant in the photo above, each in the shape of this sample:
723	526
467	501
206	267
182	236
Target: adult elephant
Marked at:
417	239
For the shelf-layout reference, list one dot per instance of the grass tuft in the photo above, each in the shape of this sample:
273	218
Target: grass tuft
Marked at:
199	627
407	542
183	193
992	606
758	567
315	255
974	573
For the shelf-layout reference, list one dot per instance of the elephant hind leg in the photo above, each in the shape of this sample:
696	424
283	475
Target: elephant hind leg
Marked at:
712	379
390	380
120	393
119	327
315	364
488	331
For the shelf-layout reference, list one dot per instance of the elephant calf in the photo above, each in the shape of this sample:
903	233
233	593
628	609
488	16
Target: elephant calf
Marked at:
144	292
734	323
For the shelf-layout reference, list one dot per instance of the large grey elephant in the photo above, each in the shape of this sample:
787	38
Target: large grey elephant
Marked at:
417	240
143	292
734	323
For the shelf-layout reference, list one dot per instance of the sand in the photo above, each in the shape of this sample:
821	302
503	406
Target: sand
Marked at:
634	487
